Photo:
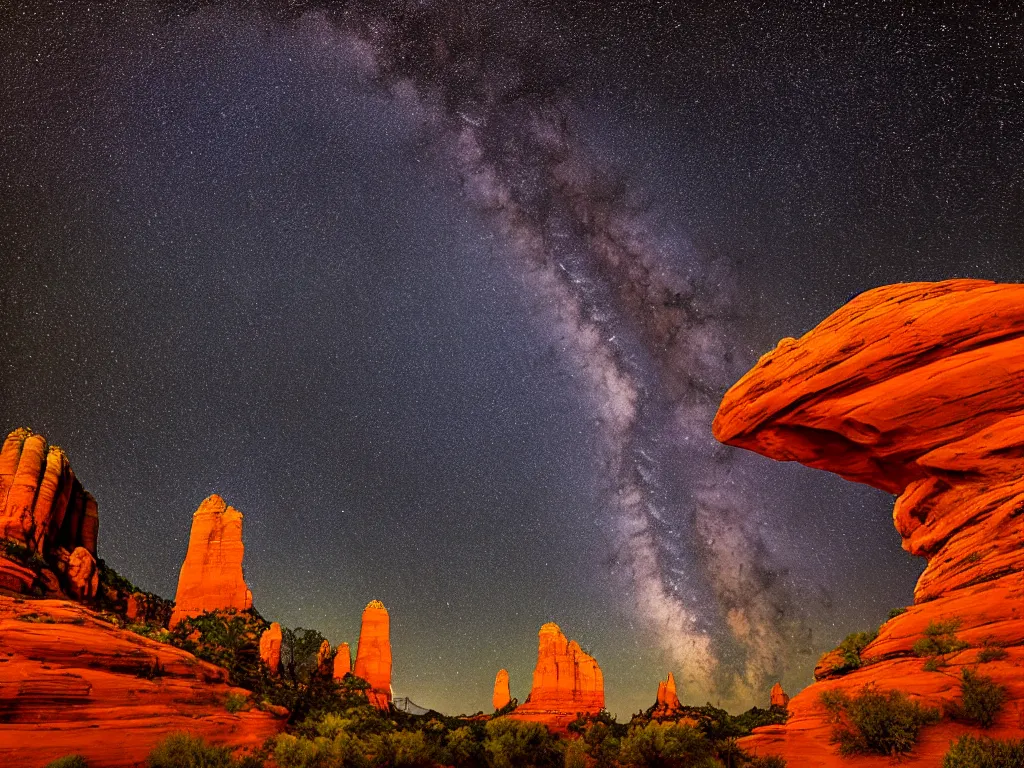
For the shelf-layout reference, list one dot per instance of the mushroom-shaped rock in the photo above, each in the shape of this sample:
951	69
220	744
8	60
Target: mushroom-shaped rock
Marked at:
502	693
270	647
342	662
45	509
667	703
373	655
211	577
915	389
566	682
778	697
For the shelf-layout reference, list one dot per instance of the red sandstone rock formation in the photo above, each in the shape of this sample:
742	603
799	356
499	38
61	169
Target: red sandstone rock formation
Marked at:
566	682
270	647
373	656
914	389
502	694
45	510
211	576
72	683
667	703
323	655
342	662
779	697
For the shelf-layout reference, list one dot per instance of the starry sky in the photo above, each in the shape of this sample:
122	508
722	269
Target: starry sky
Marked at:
443	296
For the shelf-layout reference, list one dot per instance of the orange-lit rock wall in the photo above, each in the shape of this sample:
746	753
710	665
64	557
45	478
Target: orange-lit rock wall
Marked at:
270	647
211	576
373	656
342	662
667	704
917	389
566	682
502	694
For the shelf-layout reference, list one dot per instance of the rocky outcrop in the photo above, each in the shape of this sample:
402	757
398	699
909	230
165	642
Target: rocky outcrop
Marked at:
73	683
502	693
667	704
342	662
48	520
914	389
211	577
778	697
373	655
323	658
566	682
270	647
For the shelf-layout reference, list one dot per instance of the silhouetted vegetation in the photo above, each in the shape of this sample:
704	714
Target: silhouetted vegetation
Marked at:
875	723
229	639
972	752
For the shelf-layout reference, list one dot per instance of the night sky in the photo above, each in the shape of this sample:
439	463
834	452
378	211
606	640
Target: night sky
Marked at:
443	296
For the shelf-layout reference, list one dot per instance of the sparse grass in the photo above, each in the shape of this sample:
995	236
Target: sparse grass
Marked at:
991	652
940	639
877	723
68	761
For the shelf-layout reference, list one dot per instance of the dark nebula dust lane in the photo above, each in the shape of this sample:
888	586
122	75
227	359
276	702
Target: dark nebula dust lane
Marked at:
444	296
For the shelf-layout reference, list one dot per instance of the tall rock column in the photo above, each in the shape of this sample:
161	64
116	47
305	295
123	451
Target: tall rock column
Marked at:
342	662
270	647
211	577
373	656
566	682
502	693
667	704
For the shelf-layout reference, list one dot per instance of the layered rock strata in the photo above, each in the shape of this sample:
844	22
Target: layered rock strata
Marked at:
71	683
914	389
502	693
566	682
48	521
211	577
373	655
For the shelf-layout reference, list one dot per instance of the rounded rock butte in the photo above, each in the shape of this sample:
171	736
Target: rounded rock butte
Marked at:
502	693
342	662
566	682
915	389
373	655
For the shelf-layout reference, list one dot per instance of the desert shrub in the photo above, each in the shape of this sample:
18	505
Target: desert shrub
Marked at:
600	739
514	744
342	751
991	652
465	747
972	752
850	649
666	745
227	638
68	761
574	754
895	612
179	750
235	702
875	723
940	639
981	699
401	749
768	761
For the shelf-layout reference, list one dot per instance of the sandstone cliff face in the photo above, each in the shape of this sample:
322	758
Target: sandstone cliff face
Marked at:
914	389
373	655
502	693
45	511
211	576
342	662
270	647
566	682
72	683
667	703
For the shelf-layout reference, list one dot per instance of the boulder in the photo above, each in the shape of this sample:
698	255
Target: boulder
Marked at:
211	577
914	389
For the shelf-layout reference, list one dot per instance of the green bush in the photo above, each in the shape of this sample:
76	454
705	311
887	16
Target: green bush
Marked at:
465	747
179	750
235	702
514	744
68	761
981	699
971	752
401	749
666	745
895	612
990	652
876	723
940	639
850	649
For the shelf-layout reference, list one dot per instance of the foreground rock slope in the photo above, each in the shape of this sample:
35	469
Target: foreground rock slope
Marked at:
566	682
73	683
915	389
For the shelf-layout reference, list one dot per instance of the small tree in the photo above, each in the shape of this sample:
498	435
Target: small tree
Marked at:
876	723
